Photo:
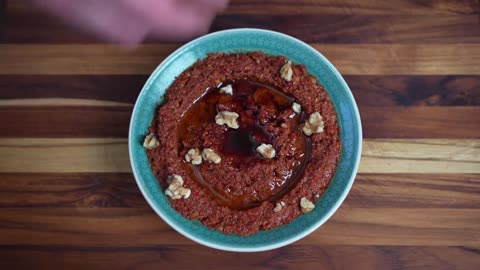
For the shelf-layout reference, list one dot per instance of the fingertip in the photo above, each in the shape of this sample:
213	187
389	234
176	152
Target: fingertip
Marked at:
185	26
214	6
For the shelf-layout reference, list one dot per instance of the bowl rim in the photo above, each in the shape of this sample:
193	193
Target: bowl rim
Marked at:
292	239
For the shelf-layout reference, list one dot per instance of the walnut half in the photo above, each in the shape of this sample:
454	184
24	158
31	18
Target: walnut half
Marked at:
314	124
286	71
278	207
175	189
306	206
227	118
266	150
228	89
209	155
297	108
193	156
150	141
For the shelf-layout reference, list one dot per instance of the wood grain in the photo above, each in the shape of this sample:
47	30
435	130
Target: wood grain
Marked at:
398	59
415	191
70	190
369	21
64	155
111	155
81	59
420	122
25	23
353	7
348	28
58	121
362	28
95	120
368	90
85	190
68	198
181	257
350	59
63	102
415	90
117	88
423	156
346	7
101	227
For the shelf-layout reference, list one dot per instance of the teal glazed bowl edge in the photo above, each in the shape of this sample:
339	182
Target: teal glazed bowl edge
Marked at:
237	41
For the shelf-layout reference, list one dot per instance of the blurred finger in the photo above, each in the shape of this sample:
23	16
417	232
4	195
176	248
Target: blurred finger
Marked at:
107	19
184	27
172	19
214	5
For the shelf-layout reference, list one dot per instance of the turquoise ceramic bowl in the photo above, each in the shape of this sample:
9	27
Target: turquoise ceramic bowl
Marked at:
242	40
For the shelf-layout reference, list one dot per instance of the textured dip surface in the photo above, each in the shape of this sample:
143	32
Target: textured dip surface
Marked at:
245	192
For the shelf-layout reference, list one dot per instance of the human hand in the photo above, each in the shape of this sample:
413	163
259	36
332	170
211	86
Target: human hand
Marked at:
130	21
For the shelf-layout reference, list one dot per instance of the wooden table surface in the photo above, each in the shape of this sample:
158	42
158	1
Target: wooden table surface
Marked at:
68	198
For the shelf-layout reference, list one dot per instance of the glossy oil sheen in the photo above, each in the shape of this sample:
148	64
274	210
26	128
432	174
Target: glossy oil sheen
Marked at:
241	144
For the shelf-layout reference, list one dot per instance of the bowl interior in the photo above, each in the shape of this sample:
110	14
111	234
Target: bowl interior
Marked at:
243	40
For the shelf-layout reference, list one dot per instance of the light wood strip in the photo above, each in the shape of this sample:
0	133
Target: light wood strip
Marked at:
64	155
111	155
95	227
359	59
120	190
421	156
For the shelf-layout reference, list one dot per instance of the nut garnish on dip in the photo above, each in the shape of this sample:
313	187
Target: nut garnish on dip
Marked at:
266	150
246	134
286	71
227	118
150	141
193	156
175	188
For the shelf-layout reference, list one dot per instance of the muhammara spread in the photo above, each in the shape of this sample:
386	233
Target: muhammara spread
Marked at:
244	142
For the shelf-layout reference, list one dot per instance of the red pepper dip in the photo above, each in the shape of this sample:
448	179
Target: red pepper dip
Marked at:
244	142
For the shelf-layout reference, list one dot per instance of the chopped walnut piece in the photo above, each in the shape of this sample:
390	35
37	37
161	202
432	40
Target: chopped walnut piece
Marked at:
306	205
314	124
227	90
209	155
193	156
297	108
175	179
266	150
227	118
286	71
278	207
150	141
175	189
